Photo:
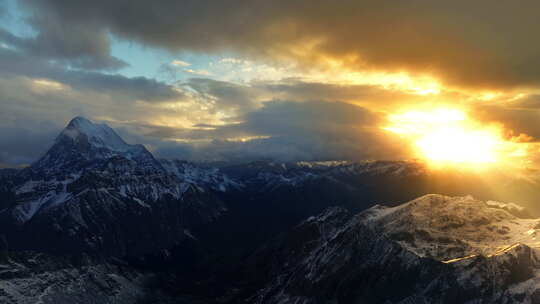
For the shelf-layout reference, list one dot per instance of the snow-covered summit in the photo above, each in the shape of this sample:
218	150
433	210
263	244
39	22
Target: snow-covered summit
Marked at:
99	135
84	144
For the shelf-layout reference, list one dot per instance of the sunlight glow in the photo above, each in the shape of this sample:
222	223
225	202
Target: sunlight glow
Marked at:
448	136
459	145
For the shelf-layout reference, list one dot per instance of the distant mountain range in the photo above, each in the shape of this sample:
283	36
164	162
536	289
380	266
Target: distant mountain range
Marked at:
101	221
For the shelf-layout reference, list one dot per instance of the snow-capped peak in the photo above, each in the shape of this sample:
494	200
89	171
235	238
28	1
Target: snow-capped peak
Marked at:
84	144
99	135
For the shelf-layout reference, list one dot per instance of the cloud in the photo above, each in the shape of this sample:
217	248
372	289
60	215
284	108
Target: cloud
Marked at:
475	44
287	130
198	72
516	120
226	96
372	96
201	118
83	46
19	145
13	63
180	63
172	71
3	10
531	101
262	106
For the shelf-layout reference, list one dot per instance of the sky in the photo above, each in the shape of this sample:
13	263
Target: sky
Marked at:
286	80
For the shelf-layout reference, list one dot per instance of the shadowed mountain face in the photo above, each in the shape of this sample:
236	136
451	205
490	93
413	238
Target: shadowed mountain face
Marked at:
96	204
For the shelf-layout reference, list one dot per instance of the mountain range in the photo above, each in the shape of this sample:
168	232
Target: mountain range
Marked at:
98	220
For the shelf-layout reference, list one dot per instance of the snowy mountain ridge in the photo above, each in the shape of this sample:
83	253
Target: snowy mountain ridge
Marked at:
458	226
435	249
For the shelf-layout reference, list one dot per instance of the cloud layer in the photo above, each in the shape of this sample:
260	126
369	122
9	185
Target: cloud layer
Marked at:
198	119
465	43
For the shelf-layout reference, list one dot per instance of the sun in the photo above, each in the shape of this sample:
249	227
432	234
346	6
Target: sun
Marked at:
459	146
448	136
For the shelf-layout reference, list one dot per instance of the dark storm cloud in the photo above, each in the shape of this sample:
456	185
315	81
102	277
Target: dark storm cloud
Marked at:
315	90
243	98
516	120
300	90
9	38
141	88
13	63
281	117
468	43
315	130
83	46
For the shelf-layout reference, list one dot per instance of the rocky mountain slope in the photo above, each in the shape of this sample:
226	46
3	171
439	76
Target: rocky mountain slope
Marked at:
38	278
435	249
92	192
28	278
